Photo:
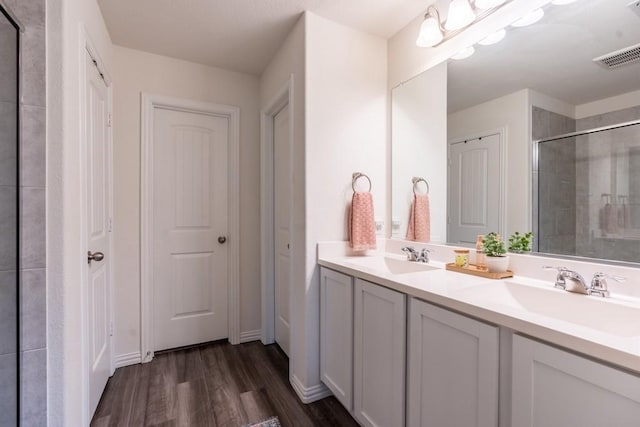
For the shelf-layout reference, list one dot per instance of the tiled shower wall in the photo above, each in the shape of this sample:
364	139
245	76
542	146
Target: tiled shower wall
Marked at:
557	179
8	221
33	343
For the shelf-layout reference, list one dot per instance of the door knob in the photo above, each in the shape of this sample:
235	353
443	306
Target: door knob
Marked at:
222	239
96	256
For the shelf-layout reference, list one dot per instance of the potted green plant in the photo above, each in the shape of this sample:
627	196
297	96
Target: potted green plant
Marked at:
520	243
493	247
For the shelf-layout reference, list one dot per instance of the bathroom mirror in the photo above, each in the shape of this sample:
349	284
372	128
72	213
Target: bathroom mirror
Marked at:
9	295
536	83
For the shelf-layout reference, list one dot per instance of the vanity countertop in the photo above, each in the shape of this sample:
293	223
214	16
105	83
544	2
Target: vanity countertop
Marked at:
605	329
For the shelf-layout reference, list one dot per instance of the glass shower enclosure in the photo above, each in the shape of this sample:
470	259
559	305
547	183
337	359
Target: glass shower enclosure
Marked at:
588	192
9	217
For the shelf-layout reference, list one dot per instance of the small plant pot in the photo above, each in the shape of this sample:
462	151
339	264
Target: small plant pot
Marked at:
497	264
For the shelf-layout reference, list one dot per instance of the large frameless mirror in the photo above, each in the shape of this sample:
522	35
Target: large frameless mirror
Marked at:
9	289
540	82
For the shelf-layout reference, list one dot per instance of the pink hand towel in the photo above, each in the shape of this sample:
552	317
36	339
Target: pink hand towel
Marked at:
419	229
361	222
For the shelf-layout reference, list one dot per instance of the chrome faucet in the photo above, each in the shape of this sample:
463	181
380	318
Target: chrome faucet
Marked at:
569	280
416	256
599	284
576	282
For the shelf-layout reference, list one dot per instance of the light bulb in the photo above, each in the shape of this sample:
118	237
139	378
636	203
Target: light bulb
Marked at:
493	38
464	53
460	15
430	33
529	19
488	4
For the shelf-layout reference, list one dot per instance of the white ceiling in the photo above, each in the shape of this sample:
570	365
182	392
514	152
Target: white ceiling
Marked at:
240	35
553	56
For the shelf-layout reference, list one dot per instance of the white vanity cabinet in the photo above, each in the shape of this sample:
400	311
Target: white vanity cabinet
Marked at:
554	388
453	369
336	334
379	355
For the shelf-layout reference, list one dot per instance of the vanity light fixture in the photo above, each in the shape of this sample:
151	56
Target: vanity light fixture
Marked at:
461	14
528	19
493	38
431	32
464	53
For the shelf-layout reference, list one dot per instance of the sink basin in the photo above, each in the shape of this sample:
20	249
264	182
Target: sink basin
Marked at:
592	312
391	265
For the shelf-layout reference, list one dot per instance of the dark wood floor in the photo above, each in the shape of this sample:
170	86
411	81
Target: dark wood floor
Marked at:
213	385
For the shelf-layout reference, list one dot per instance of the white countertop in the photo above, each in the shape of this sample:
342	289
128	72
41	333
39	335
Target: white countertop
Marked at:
606	329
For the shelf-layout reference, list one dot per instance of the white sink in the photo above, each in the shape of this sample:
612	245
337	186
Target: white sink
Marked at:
590	311
390	265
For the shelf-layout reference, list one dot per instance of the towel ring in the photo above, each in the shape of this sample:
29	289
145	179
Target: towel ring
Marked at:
417	180
355	177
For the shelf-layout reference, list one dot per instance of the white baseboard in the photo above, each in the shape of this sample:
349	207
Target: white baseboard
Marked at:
309	394
249	336
127	359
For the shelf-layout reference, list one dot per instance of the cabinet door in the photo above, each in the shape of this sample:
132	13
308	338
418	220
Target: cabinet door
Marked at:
453	369
336	334
379	355
555	388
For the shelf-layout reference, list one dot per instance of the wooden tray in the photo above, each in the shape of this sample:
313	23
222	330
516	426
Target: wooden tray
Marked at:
475	271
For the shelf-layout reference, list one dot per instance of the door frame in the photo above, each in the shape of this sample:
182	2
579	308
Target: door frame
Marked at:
88	50
502	209
282	98
149	103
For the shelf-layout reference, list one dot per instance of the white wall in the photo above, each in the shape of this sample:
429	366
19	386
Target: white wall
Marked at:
346	132
65	256
136	72
418	127
614	103
512	113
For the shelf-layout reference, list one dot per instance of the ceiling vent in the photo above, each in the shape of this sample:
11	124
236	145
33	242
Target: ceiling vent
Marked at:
620	57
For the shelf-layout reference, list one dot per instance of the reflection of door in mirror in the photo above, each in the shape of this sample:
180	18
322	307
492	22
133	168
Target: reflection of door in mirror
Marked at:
474	188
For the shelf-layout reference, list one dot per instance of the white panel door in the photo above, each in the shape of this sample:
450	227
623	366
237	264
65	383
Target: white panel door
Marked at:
336	334
379	355
474	188
190	228
282	202
453	369
98	280
555	388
